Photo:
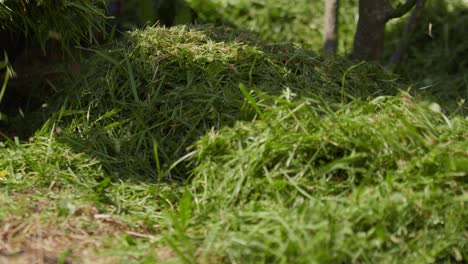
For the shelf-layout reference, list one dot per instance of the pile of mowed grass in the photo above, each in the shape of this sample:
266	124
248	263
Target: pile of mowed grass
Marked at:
383	181
378	181
312	177
137	105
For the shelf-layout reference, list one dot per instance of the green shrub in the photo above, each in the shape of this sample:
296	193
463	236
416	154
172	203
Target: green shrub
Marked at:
66	21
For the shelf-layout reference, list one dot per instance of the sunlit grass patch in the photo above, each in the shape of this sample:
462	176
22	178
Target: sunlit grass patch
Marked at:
44	162
297	145
57	205
378	181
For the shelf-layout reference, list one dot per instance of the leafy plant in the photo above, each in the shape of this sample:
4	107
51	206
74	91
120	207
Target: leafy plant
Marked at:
6	67
67	22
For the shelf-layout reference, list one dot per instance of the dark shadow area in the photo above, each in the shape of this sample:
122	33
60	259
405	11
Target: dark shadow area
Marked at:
38	68
37	71
29	88
436	61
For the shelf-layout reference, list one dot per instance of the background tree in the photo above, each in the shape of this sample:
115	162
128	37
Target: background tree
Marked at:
166	11
330	30
173	12
397	56
139	13
370	32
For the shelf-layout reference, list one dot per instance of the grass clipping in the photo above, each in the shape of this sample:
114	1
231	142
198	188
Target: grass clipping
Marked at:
373	182
324	176
139	104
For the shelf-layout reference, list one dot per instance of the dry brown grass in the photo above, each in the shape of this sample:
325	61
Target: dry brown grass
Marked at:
78	238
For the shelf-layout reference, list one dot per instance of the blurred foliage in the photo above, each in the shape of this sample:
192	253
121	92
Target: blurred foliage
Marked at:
66	21
437	58
139	13
298	21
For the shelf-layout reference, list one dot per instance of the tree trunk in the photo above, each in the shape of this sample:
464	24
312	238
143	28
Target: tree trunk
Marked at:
400	51
370	34
166	11
330	41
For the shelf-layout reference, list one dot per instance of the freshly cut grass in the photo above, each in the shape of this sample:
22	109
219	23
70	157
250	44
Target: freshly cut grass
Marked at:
43	162
301	159
138	104
46	165
383	181
305	183
58	205
297	144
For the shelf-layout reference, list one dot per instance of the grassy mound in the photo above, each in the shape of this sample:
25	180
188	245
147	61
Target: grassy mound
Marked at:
377	182
302	183
140	103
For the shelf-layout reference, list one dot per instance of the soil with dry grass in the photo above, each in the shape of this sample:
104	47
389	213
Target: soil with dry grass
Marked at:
40	237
